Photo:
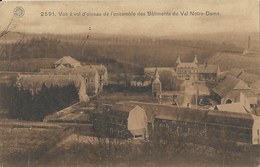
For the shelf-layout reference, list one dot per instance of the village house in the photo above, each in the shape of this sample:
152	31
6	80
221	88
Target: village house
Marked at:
34	83
233	90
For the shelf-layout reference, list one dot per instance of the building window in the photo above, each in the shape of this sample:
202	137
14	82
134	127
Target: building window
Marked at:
91	80
257	132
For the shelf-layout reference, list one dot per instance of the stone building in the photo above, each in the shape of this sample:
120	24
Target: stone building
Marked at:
195	71
34	83
89	74
187	71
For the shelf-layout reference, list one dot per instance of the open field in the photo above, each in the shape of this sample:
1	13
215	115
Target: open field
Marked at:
22	143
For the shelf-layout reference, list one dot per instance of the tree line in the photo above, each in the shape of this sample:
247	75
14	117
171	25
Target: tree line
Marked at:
23	105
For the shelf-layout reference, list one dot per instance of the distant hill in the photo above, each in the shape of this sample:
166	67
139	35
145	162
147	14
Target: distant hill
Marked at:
118	52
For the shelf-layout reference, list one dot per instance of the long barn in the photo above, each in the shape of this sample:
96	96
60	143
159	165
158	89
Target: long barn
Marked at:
191	124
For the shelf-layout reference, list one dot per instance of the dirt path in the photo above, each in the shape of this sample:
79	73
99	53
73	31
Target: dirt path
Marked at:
189	93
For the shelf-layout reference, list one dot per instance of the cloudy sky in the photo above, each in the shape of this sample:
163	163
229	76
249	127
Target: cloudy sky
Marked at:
235	16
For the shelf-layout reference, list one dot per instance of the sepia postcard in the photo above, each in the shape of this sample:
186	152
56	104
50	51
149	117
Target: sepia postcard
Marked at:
130	83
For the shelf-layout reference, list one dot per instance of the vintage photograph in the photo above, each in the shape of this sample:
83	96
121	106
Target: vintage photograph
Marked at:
130	84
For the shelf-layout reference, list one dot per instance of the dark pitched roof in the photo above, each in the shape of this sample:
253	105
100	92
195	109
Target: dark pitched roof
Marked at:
228	84
209	68
249	78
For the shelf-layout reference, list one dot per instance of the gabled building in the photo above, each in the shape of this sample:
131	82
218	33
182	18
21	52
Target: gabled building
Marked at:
67	61
34	83
89	74
233	90
137	123
208	72
187	70
252	80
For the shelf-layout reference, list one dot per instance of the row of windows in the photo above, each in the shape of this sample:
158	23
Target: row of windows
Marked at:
187	71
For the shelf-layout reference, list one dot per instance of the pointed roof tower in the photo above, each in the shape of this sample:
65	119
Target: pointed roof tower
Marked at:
178	61
195	60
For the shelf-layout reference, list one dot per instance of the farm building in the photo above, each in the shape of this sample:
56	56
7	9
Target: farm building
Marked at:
232	90
252	80
192	125
96	75
111	122
34	83
89	74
